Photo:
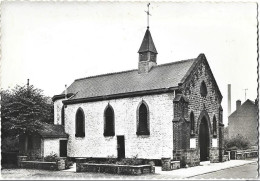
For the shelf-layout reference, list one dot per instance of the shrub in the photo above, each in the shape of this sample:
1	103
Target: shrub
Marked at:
130	161
52	157
9	144
111	160
68	164
236	143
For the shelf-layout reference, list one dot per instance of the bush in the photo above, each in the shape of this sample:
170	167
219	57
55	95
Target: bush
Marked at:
111	160
68	164
236	143
130	161
51	158
9	144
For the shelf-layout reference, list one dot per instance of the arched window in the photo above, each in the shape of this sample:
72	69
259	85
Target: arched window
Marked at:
192	131
220	114
203	89
80	123
214	126
109	121
143	120
62	116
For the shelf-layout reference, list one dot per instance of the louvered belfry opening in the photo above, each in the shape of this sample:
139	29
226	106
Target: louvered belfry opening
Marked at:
143	120
109	122
80	123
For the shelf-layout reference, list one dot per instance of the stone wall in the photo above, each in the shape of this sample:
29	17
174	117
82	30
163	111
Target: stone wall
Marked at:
158	144
115	169
57	111
58	165
51	146
214	155
211	103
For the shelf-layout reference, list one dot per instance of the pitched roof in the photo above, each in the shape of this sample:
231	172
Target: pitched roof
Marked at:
159	77
52	131
247	102
147	44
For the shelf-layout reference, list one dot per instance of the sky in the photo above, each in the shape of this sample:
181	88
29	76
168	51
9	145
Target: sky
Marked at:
54	43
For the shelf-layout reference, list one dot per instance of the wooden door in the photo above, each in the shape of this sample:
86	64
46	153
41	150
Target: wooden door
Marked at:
63	148
204	140
120	147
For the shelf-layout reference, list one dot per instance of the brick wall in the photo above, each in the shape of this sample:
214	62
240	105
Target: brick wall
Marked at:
158	144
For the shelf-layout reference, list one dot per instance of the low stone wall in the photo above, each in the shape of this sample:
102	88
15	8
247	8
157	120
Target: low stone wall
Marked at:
168	164
114	169
24	163
39	165
242	154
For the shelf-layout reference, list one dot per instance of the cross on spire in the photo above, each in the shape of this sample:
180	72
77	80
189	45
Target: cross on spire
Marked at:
148	14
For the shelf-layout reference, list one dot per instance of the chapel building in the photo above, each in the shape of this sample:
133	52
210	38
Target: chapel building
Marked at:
156	111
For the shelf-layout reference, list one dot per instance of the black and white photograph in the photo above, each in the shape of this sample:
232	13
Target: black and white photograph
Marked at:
129	90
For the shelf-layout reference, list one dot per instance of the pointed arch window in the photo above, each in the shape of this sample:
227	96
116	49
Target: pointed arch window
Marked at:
80	123
192	124
220	114
109	121
214	126
143	120
62	116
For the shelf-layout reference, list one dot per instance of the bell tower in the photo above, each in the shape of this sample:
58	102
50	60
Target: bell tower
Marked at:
147	51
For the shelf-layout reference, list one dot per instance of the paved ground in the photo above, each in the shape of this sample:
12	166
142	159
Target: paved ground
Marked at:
192	172
248	171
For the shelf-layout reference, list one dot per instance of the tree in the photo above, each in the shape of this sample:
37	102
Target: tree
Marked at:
236	143
23	109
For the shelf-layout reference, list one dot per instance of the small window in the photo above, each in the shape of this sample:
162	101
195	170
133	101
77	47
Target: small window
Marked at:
192	128
80	123
220	115
62	116
214	126
109	122
203	89
143	118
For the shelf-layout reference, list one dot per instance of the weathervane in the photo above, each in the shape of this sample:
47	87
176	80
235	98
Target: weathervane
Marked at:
148	14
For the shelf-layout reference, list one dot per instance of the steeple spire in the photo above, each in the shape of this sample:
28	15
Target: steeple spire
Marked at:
147	51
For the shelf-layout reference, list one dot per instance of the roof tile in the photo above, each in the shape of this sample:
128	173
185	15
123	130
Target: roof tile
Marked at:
161	76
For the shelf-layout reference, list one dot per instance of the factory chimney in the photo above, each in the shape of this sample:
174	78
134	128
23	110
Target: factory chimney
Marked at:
229	99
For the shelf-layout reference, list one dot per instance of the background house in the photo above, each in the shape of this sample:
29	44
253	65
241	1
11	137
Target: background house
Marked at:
243	121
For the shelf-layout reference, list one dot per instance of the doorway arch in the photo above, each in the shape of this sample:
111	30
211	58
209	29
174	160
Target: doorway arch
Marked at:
204	141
